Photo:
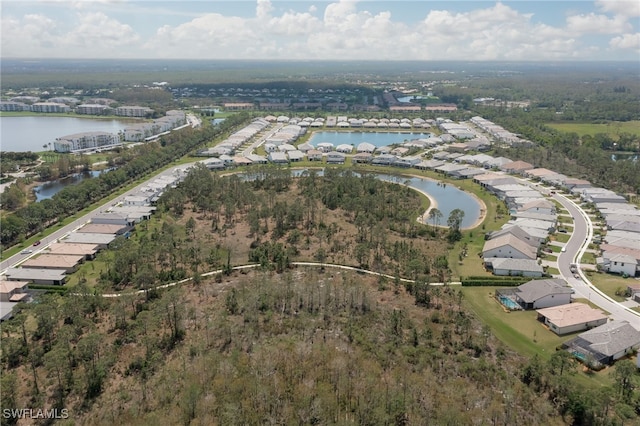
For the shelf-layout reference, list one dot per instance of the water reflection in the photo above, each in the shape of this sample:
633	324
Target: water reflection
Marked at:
49	189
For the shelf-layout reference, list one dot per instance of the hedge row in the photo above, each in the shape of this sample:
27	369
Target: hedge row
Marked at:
56	288
493	281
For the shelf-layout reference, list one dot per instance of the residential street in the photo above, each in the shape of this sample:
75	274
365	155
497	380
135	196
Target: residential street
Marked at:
574	249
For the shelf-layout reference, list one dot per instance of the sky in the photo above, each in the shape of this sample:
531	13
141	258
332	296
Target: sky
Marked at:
508	30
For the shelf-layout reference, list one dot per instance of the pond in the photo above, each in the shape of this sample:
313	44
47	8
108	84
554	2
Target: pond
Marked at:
49	189
377	138
446	197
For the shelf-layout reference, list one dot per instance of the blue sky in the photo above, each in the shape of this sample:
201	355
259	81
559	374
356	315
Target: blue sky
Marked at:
512	30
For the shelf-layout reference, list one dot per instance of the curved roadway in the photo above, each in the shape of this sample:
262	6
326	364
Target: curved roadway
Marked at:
574	249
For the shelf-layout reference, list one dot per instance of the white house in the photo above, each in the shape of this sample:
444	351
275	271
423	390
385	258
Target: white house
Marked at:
571	318
514	267
620	263
508	246
537	294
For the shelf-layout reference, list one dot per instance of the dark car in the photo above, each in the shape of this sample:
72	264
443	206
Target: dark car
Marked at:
37	243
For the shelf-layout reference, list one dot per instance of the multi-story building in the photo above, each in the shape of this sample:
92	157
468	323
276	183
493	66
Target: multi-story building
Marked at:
86	140
93	109
50	107
133	111
13	106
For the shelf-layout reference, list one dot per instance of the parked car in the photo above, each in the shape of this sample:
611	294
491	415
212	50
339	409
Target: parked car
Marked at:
37	243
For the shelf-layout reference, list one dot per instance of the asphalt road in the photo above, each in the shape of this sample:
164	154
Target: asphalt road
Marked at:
65	230
574	249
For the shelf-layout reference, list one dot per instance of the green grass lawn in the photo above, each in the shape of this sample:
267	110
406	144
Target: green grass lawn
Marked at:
589	258
612	128
610	283
521	330
561	237
553	271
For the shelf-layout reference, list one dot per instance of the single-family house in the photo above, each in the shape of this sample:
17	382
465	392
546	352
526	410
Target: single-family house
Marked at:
605	344
335	157
37	275
314	155
362	157
537	294
508	246
514	267
14	291
571	318
68	263
620	263
540	205
278	157
295	155
518	167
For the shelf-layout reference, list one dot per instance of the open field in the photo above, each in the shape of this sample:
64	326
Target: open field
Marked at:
612	129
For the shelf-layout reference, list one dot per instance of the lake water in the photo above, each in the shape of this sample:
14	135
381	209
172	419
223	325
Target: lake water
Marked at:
21	134
447	197
49	189
376	138
407	99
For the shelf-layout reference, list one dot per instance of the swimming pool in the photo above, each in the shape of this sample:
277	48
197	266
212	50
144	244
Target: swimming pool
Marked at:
509	304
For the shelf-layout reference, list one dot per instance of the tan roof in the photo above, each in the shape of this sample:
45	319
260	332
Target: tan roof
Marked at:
539	172
571	314
513	241
7	287
18	297
517	165
60	261
100	228
73	248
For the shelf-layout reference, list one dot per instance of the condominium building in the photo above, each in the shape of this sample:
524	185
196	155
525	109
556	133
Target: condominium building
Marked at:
93	109
86	140
133	111
50	107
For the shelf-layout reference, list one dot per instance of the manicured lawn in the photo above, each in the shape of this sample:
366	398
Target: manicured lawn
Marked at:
553	271
561	237
521	330
612	129
589	258
610	283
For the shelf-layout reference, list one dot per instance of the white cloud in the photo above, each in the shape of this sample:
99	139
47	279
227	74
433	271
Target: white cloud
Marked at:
626	41
597	24
264	9
342	30
98	32
628	8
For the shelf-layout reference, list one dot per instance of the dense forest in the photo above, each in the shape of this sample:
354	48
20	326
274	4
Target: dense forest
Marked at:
267	217
304	346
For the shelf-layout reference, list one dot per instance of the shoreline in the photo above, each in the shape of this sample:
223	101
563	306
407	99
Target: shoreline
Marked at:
433	204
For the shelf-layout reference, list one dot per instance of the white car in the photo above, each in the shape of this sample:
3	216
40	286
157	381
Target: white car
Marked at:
563	249
26	252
